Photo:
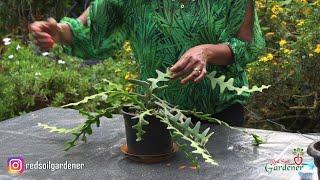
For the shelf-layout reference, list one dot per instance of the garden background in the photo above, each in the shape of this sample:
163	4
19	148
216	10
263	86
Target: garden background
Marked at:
31	80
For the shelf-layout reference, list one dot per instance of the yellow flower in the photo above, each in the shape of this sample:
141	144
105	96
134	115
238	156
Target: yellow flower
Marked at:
266	58
130	85
304	1
300	22
129	89
287	51
259	5
277	9
127	76
117	70
126	44
269	34
317	50
282	42
249	70
273	16
127	47
269	56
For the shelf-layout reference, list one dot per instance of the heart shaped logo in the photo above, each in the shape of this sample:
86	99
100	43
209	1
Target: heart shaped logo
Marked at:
298	160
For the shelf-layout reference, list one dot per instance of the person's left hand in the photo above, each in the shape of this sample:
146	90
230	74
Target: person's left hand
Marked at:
192	65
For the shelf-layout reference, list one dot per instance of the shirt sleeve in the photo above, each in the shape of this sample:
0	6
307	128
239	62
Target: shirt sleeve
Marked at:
243	52
81	43
101	37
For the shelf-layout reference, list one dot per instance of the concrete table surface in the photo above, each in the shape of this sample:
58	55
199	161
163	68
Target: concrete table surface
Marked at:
102	159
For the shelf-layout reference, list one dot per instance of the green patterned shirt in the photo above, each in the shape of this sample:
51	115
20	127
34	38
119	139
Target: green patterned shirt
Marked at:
161	31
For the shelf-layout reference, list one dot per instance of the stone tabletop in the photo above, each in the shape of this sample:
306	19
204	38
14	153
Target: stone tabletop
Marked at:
101	158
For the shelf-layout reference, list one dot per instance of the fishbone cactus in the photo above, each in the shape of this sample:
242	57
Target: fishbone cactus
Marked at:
223	84
146	104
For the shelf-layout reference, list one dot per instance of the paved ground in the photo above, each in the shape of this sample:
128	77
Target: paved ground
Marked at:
102	159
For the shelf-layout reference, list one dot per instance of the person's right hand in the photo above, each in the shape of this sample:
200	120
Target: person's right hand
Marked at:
45	33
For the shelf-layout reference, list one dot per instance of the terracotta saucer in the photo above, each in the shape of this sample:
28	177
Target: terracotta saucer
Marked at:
149	158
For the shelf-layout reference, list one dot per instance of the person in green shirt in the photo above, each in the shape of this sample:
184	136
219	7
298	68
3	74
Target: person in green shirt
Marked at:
191	37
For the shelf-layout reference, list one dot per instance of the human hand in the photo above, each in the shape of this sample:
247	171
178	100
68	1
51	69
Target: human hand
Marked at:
192	65
45	33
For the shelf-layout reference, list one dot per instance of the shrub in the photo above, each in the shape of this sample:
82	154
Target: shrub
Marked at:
30	81
291	64
15	15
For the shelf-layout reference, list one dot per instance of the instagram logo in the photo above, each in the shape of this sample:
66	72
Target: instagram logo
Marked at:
15	165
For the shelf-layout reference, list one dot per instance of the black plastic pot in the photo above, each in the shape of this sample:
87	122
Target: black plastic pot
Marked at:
156	140
314	151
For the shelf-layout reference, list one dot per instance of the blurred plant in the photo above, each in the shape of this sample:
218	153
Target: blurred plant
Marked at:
291	63
30	81
16	15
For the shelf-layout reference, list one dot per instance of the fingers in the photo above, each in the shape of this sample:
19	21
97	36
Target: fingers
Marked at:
43	33
52	22
52	26
36	26
179	66
201	76
188	67
43	40
192	66
190	77
177	75
197	72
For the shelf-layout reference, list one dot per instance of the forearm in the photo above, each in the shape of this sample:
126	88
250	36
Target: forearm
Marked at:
65	32
218	54
83	17
222	54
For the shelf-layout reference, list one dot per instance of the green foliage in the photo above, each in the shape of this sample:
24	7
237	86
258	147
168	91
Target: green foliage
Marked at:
230	86
141	122
30	81
161	78
291	64
86	128
56	129
179	125
147	104
15	15
86	99
257	140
